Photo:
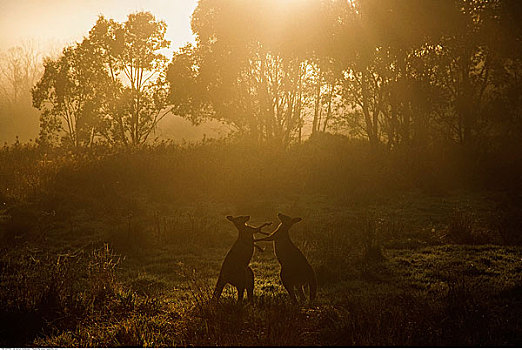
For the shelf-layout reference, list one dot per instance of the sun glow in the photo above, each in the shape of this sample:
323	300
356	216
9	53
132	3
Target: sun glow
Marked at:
56	22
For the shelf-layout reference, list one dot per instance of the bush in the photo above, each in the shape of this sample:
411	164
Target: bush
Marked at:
461	227
508	221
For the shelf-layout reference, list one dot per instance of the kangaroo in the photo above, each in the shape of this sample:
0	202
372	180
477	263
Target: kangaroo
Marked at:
235	269
296	272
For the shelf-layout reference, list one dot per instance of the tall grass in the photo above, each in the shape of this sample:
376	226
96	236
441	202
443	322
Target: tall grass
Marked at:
346	170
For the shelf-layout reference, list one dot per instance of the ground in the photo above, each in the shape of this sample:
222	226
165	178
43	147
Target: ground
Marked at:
390	273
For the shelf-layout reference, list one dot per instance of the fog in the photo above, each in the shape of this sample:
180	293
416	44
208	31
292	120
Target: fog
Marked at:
44	28
55	21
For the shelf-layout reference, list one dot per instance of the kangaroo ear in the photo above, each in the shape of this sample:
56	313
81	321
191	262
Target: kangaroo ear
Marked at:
230	218
282	217
296	220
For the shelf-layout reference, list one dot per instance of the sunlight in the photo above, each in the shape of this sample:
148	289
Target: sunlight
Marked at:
29	20
260	173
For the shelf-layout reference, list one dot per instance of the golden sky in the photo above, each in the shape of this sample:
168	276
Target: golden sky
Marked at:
54	23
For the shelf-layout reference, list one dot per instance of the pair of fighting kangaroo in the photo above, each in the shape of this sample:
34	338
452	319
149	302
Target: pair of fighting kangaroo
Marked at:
296	272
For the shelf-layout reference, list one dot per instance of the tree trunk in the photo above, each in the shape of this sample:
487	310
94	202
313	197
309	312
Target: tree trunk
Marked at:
371	126
315	123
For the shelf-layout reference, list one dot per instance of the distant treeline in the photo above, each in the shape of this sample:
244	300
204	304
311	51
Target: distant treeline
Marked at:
20	68
398	73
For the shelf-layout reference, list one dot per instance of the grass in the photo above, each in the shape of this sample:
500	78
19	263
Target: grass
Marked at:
125	249
436	296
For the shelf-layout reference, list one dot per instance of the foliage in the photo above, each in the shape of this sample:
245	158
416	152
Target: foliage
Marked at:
53	291
254	70
61	285
396	73
132	50
109	85
397	264
70	96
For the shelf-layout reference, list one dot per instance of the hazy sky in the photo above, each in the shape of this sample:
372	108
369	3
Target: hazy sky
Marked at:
53	23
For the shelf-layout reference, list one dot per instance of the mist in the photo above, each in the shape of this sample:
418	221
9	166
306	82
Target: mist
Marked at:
38	29
240	173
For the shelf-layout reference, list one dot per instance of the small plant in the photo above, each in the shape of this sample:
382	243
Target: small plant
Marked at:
127	299
508	223
461	228
199	290
101	269
372	240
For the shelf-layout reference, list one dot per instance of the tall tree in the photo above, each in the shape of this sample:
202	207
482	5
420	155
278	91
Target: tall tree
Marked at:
70	96
20	68
112	84
251	65
131	52
385	41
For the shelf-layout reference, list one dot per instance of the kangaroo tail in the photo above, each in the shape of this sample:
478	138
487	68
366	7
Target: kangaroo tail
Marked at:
219	288
313	287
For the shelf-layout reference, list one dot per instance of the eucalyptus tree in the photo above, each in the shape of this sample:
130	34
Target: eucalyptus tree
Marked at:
112	84
385	79
478	65
131	53
20	69
396	71
70	96
252	65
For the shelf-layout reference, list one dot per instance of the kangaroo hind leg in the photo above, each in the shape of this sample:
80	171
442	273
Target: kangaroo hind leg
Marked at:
219	288
250	284
240	294
300	292
289	286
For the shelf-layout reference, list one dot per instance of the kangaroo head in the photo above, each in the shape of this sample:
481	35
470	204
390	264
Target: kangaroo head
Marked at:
245	230
281	231
238	221
287	221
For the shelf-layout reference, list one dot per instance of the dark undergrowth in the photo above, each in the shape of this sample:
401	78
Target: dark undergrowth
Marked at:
412	298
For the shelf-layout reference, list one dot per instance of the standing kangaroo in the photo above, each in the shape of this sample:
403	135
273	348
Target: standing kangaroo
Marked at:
296	272
235	269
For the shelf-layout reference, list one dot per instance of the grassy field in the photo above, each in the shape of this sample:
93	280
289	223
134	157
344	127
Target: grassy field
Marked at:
125	251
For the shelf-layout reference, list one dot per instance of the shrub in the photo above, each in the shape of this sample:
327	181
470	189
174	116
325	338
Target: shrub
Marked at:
461	227
372	239
508	223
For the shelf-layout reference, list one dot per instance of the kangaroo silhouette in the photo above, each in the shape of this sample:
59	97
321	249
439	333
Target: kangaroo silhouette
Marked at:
235	269
296	272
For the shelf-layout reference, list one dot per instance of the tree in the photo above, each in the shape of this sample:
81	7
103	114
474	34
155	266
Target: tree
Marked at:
113	84
251	65
385	81
70	96
20	68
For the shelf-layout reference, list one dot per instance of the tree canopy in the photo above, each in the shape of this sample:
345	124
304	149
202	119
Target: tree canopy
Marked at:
110	86
396	72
